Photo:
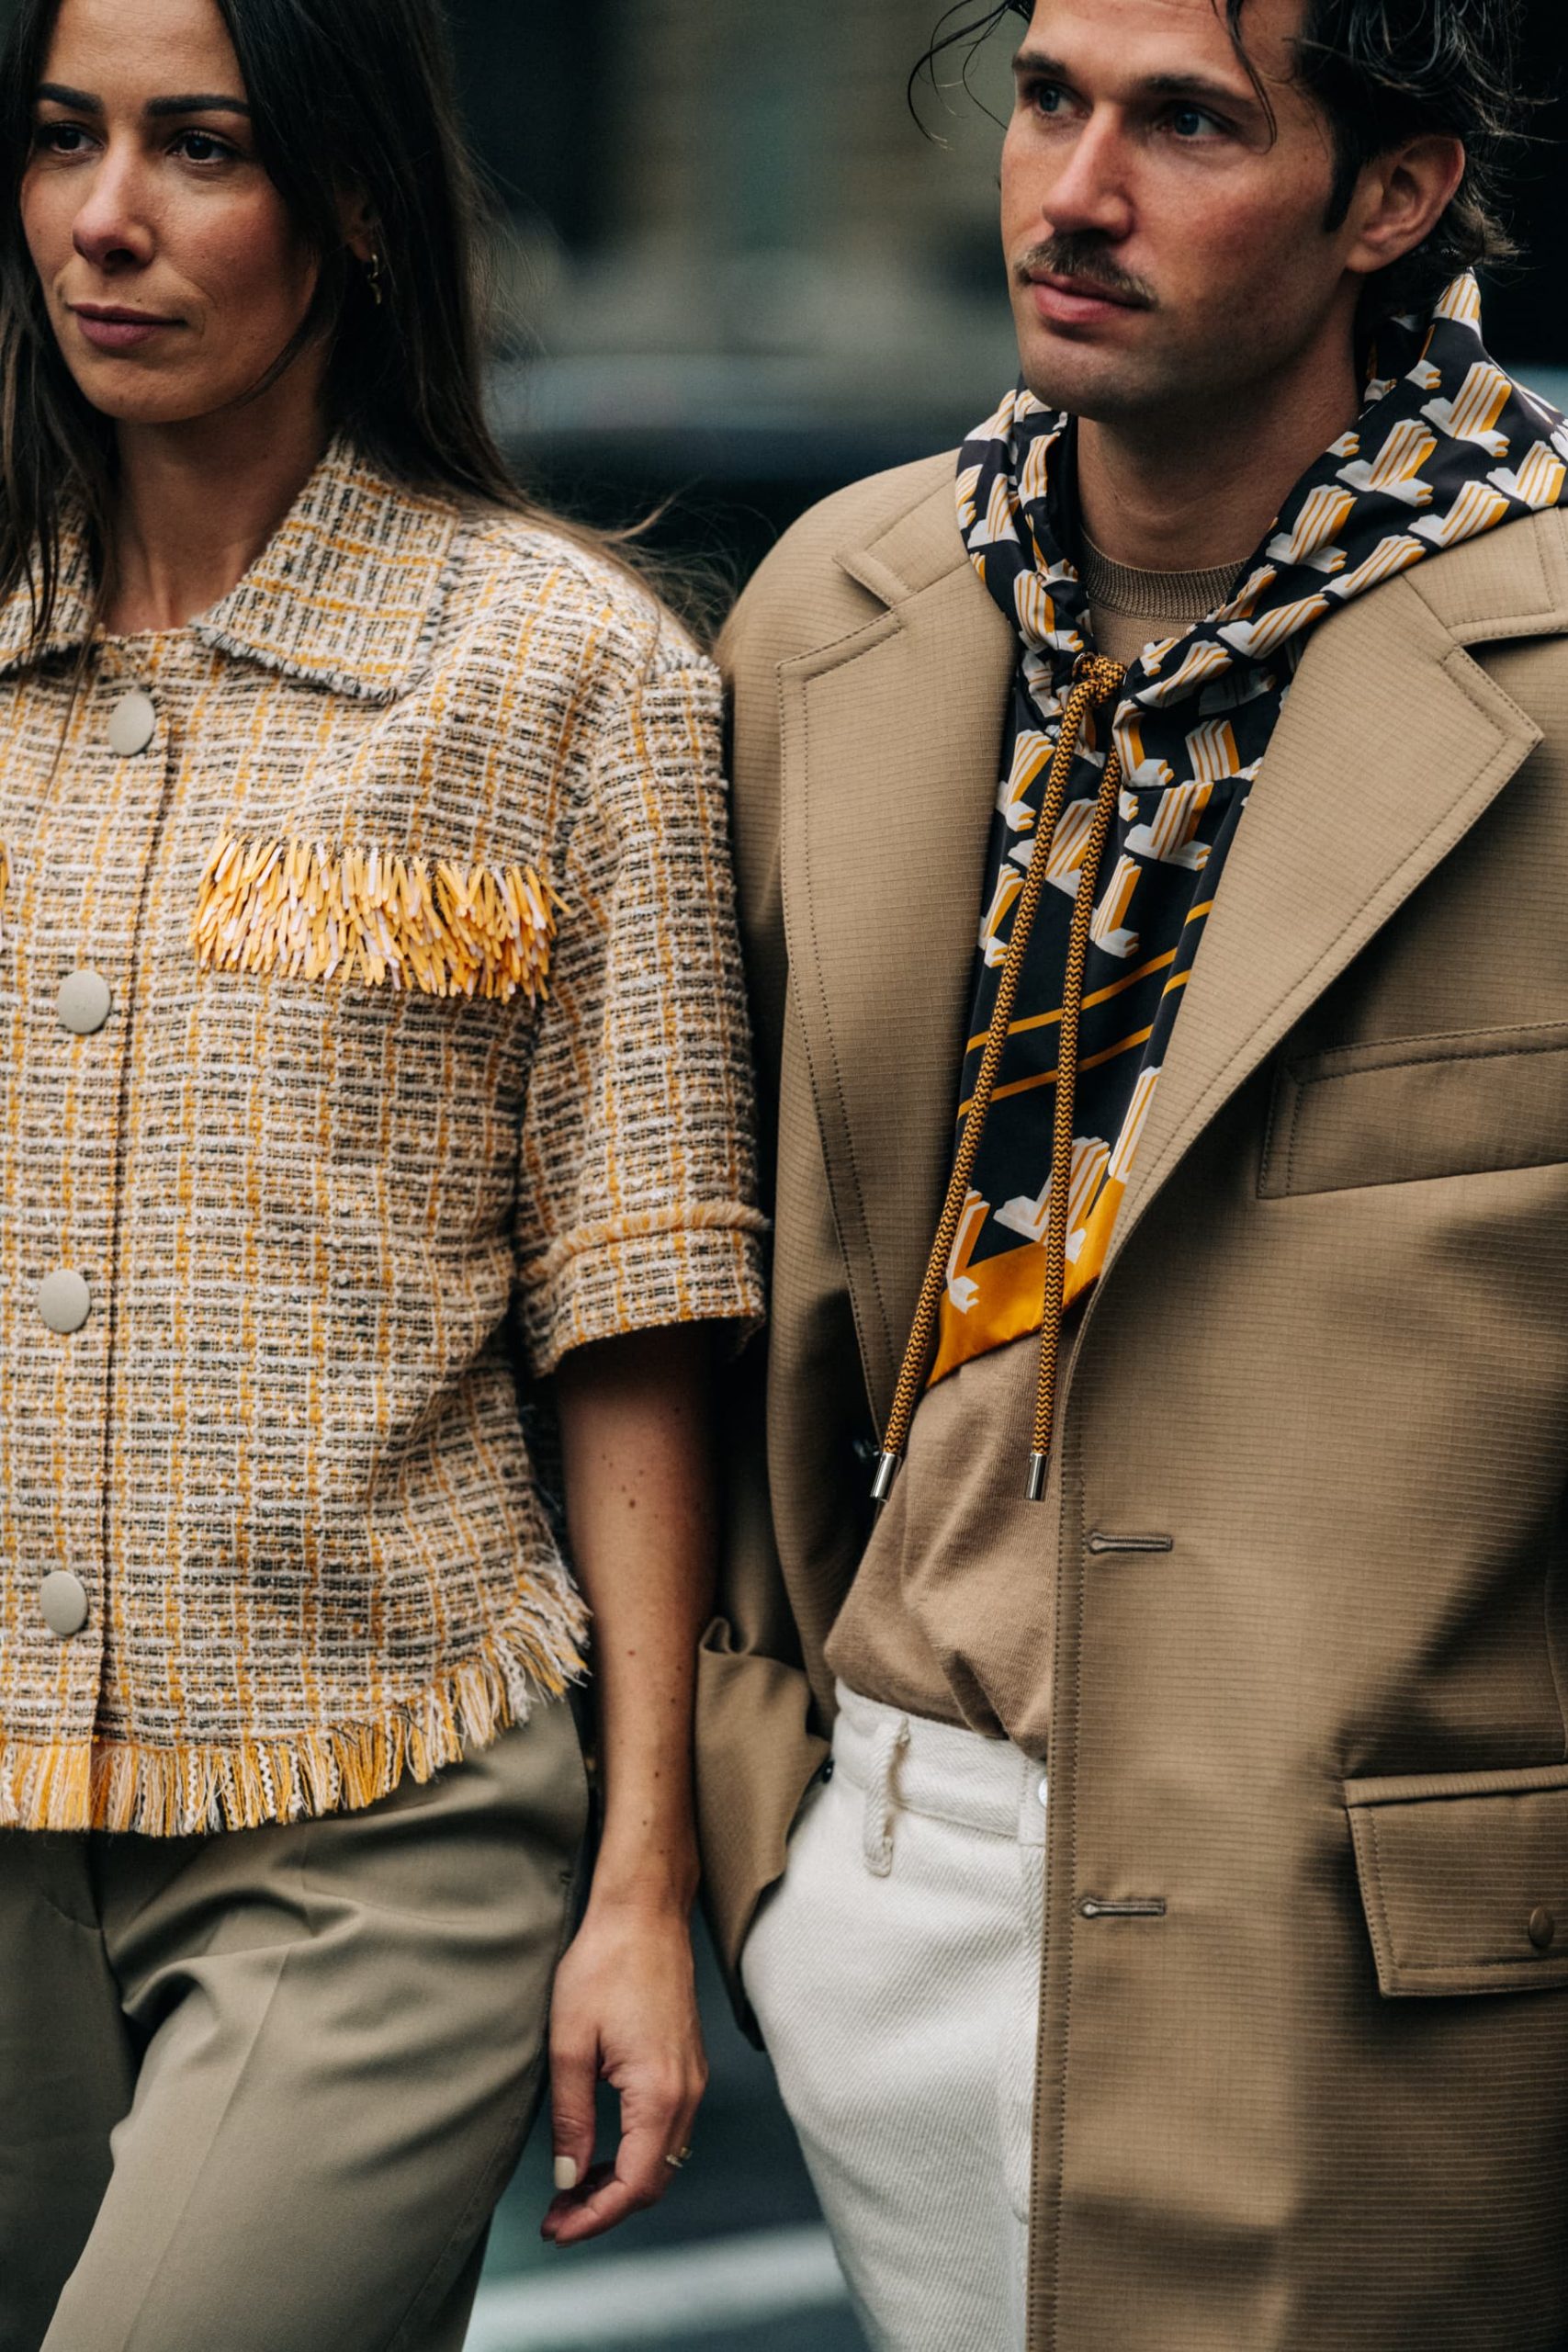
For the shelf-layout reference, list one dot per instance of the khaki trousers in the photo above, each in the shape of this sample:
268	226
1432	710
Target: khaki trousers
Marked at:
894	1971
260	2092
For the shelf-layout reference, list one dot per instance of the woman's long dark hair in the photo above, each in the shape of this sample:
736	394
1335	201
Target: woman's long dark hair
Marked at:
345	93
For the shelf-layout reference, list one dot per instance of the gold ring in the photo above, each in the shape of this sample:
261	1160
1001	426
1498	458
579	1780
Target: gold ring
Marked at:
685	2158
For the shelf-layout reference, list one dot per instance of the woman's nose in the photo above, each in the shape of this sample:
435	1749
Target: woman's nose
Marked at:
111	230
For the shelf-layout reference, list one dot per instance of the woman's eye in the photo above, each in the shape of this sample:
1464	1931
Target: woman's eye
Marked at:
202	147
60	138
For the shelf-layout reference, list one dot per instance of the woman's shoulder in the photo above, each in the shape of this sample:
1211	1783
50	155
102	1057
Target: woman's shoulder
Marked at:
530	586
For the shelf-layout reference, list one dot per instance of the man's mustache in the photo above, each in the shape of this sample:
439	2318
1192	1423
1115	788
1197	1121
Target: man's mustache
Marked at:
1080	258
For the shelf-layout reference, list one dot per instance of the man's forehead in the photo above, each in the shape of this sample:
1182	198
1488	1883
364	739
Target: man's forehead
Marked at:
1198	30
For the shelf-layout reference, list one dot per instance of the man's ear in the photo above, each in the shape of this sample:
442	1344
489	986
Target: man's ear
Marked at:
358	223
1399	200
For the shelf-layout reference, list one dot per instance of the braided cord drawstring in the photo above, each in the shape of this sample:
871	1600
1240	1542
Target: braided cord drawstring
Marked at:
1096	682
1062	1139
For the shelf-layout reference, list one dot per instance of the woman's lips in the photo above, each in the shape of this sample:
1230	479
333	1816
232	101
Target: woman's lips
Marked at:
120	330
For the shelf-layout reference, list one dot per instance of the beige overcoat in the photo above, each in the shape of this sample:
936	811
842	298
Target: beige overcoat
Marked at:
1321	2101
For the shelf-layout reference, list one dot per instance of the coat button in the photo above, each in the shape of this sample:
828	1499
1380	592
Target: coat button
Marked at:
1543	1929
65	1601
133	722
64	1301
85	1003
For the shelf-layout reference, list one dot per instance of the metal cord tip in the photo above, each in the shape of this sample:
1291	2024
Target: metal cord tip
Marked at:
882	1485
1038	1465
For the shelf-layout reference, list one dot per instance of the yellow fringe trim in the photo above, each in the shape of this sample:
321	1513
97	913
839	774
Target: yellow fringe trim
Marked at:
189	1791
298	908
5	886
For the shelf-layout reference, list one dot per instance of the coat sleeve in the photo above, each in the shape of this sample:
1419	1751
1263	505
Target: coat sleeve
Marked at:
760	1731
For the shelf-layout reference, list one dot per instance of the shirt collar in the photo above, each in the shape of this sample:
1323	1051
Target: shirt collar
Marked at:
347	593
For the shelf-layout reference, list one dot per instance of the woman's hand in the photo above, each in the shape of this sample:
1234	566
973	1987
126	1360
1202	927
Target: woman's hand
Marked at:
625	2011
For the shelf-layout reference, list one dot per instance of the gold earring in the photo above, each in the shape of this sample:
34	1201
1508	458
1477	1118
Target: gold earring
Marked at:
373	276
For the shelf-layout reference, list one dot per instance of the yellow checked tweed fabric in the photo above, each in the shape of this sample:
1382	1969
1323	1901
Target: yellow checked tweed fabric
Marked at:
427	1041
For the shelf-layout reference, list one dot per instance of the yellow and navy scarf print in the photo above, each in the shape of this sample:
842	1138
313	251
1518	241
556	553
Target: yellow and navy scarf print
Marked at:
1447	448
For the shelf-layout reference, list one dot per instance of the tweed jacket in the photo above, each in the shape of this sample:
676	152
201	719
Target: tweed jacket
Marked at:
1302	2062
372	1018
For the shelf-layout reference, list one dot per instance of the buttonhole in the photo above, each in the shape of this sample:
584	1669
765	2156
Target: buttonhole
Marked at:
1099	1543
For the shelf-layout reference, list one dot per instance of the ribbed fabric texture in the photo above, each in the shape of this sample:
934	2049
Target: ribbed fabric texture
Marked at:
1179	598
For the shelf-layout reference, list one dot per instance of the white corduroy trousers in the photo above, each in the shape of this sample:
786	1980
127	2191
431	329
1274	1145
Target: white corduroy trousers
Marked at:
894	1971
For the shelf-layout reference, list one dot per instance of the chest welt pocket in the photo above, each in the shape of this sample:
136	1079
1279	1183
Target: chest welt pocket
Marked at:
1464	1880
1418	1107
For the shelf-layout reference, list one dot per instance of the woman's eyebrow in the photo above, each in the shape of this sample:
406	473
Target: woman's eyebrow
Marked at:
193	102
79	101
198	102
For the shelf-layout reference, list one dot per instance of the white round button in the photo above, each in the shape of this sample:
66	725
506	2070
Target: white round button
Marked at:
64	1602
86	1002
1043	1792
64	1301
133	722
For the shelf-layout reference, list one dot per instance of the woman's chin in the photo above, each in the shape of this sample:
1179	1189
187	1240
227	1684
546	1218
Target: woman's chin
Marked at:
117	393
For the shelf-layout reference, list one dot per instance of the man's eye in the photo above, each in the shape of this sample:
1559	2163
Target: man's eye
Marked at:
1191	123
1046	98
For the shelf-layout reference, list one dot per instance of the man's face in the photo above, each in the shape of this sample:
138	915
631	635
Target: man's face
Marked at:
1166	248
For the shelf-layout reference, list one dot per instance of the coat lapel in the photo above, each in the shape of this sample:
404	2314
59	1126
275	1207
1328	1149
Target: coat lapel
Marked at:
892	751
1392	744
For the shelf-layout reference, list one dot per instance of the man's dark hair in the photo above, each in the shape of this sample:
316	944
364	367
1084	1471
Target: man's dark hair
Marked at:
1383	70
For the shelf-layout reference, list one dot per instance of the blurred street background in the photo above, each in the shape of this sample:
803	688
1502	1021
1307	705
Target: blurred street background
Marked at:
732	274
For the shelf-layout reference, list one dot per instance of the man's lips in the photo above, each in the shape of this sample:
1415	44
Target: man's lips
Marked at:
1078	302
111	328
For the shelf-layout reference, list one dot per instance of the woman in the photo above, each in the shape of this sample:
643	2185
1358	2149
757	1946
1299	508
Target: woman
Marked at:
368	1005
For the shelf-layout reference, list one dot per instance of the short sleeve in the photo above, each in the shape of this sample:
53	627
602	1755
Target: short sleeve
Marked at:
637	1197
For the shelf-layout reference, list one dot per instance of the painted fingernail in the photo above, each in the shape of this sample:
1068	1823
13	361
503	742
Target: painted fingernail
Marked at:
566	2174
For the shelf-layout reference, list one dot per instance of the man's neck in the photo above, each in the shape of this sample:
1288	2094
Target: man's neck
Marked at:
196	505
1192	493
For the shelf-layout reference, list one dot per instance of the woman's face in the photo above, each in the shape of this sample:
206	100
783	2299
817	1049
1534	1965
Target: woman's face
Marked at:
173	276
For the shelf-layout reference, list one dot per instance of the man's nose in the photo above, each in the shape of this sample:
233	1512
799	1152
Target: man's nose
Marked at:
112	229
1090	195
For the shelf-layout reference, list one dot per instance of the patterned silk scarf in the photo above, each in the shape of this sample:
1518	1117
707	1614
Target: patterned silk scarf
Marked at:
1447	446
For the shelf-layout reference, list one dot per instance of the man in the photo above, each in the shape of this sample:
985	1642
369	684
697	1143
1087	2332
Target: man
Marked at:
1198	1697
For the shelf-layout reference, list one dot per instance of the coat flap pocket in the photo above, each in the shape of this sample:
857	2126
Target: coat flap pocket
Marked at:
1418	1107
1465	1879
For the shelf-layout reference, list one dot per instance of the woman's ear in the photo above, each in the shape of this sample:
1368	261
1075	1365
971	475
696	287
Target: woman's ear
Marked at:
358	225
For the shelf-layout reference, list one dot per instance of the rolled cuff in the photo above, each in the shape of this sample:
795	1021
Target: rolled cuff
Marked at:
698	1262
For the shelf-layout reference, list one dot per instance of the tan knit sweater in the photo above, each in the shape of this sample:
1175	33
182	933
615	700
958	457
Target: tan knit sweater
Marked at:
400	881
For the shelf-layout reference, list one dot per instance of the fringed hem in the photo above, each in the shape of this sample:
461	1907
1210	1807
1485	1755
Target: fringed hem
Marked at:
298	908
189	1792
4	887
